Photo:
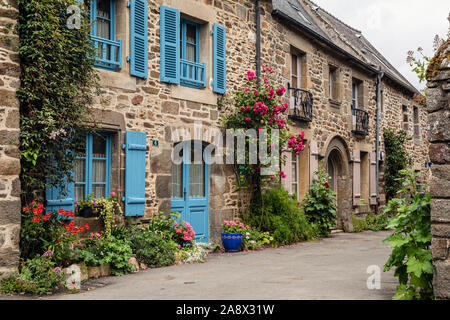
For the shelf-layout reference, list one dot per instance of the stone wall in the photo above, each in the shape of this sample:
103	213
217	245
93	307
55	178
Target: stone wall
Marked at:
438	107
9	139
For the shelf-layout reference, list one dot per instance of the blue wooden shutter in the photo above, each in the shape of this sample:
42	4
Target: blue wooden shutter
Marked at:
139	38
170	45
220	65
135	154
55	199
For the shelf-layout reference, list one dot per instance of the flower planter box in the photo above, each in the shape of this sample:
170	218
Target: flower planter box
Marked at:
90	212
232	241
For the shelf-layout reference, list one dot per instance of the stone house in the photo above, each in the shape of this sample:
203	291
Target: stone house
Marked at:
163	66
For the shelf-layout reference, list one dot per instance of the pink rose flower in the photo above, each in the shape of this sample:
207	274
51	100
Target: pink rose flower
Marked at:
281	91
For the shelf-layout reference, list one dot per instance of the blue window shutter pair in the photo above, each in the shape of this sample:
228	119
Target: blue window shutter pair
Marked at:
135	159
170	50
139	38
170	45
220	65
135	155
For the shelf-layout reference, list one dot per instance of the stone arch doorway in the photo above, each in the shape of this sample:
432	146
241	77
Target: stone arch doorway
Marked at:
336	162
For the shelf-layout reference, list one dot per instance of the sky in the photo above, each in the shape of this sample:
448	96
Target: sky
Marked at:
395	26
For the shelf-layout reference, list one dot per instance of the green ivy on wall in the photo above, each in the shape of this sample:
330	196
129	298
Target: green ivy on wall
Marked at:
58	84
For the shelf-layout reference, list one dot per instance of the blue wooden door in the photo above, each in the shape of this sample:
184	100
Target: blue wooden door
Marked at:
190	189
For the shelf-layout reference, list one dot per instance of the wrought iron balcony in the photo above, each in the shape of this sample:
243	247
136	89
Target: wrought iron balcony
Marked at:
360	121
192	74
301	108
109	53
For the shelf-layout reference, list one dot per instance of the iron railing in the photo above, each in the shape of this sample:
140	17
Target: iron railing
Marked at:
193	74
109	53
301	104
360	121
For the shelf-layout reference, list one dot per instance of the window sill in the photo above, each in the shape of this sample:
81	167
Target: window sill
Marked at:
204	95
114	79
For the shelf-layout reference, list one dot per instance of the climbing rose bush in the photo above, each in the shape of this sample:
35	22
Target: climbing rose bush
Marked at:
260	107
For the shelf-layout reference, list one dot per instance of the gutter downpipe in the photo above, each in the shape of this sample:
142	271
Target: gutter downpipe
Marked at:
380	75
258	41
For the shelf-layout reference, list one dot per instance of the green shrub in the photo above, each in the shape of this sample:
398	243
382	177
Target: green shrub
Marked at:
110	250
254	239
319	206
359	224
411	240
36	276
152	249
370	222
281	217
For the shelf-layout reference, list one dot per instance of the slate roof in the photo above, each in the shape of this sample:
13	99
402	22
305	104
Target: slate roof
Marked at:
334	32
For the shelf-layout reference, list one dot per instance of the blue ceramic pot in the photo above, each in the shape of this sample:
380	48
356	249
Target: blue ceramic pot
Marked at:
232	241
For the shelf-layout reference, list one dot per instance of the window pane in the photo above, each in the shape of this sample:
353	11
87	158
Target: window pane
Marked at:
196	177
196	180
80	170
294	65
191	53
103	25
294	171
294	188
191	33
98	191
98	171
99	146
177	180
79	192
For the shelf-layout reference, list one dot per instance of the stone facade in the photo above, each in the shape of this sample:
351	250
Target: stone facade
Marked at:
9	140
162	110
438	107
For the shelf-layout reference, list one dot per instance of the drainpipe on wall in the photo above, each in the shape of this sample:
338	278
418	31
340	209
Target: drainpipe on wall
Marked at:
258	41
377	147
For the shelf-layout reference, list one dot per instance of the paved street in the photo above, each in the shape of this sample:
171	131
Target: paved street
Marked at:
334	268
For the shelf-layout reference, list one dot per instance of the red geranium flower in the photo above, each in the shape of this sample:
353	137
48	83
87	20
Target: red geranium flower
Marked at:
326	185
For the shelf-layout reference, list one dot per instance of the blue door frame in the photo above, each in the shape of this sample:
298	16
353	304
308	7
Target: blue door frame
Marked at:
194	210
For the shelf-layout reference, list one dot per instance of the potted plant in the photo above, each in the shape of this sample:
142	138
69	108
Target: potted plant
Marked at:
88	208
232	235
